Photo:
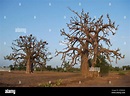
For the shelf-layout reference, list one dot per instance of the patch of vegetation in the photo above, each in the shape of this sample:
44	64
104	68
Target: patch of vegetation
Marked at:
126	67
47	85
17	67
52	84
121	73
103	64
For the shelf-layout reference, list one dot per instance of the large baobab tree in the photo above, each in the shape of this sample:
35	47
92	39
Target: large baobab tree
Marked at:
100	34
27	50
84	40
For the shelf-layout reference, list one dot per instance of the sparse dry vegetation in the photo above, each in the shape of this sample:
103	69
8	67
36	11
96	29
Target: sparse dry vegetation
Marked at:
62	79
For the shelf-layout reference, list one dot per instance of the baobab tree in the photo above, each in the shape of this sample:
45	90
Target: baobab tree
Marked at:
27	50
101	33
84	40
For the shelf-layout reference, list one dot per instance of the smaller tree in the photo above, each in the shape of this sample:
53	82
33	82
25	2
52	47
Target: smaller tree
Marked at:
111	68
126	67
66	66
30	52
103	64
116	69
49	68
11	67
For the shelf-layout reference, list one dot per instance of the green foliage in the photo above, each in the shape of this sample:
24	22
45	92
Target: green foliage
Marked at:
68	68
126	67
45	68
59	69
116	69
111	68
41	68
47	85
17	67
58	82
90	62
11	67
49	68
74	69
103	64
52	84
66	65
121	73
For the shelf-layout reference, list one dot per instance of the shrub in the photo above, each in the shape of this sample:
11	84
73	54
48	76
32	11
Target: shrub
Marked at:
52	84
116	68
121	73
103	64
49	68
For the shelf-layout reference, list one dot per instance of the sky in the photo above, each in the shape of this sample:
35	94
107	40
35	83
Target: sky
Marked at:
45	18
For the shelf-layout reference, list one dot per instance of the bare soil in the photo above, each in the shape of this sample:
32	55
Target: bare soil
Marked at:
74	79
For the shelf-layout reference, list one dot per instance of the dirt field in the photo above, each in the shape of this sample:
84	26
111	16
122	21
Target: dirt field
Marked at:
36	79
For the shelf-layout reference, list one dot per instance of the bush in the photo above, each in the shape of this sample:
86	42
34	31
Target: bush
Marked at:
52	84
121	73
103	64
11	67
59	69
49	68
17	67
116	68
126	67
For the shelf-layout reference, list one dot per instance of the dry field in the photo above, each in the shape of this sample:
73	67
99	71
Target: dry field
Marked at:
36	79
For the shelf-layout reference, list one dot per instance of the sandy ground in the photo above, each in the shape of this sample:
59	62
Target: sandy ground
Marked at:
21	79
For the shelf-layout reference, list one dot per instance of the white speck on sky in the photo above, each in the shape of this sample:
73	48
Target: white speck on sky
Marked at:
49	4
34	17
19	4
50	30
109	4
4	43
124	17
4	17
79	4
64	17
124	43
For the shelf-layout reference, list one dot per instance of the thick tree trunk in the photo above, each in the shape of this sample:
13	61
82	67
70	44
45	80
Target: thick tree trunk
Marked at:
84	66
95	57
28	66
95	51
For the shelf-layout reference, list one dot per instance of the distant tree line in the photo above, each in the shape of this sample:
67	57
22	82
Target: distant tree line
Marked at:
119	68
45	68
105	68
